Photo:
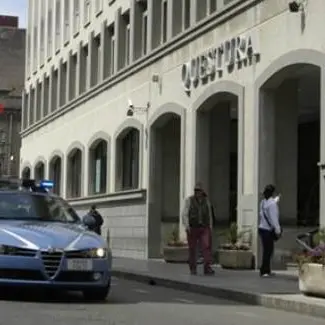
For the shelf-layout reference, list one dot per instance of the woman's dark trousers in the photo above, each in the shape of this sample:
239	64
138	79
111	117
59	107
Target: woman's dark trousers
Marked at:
268	248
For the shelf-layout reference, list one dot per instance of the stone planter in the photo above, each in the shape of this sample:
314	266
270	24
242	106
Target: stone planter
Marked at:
312	279
235	259
175	254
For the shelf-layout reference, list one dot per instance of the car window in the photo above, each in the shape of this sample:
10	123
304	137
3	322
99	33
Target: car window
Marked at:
20	206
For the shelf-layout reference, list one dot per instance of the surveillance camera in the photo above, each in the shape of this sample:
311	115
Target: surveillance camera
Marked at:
294	6
130	103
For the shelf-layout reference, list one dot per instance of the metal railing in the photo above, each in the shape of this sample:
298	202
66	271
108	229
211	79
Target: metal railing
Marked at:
306	240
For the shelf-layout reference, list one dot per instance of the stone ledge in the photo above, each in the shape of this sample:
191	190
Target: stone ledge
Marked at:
135	195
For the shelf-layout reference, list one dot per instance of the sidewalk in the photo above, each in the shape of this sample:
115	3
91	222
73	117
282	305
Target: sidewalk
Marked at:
280	292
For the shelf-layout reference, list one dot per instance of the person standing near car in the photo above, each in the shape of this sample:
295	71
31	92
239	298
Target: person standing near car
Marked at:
197	218
269	228
98	218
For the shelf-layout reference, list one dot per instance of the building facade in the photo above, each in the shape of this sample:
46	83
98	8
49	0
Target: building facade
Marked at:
128	103
12	70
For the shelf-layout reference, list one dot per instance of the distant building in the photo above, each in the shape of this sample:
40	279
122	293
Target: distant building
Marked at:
12	69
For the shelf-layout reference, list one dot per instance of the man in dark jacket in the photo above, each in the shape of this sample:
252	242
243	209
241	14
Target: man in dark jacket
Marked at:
197	219
98	218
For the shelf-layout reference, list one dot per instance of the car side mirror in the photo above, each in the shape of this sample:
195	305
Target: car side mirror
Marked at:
89	222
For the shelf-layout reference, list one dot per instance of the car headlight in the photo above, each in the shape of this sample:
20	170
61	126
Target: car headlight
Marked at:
98	252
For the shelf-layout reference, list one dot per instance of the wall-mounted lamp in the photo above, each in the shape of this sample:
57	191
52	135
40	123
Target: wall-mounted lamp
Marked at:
296	6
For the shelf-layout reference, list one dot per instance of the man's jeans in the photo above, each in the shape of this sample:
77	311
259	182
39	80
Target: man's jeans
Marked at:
203	236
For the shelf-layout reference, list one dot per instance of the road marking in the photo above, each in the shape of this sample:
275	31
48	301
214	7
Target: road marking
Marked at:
184	301
141	291
247	314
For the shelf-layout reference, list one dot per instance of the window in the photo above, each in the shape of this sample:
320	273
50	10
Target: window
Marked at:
76	18
98	167
66	20
186	14
57	24
25	206
39	171
144	38
130	160
55	174
164	21
86	11
49	32
74	174
212	6
127	45
112	61
42	33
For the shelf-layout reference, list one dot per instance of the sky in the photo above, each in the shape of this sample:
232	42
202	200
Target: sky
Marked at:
15	8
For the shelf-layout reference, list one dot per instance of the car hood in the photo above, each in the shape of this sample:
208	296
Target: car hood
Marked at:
44	235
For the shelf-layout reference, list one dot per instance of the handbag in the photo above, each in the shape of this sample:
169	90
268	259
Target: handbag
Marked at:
275	236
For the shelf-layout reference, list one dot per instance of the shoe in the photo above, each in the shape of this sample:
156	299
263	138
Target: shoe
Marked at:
267	275
209	271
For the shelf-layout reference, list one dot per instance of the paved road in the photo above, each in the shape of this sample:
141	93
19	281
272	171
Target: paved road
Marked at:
131	303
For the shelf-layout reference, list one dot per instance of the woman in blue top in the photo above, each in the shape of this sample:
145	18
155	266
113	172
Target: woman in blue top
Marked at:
269	228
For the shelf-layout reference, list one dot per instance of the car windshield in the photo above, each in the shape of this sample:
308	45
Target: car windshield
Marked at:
23	206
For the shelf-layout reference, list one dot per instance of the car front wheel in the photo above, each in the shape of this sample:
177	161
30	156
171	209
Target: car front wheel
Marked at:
96	294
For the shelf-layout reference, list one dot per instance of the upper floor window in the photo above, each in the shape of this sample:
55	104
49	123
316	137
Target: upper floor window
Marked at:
76	16
144	38
186	14
164	21
57	24
66	20
98	6
87	10
49	32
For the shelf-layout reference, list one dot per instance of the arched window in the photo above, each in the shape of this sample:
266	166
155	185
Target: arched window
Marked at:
39	171
74	175
127	154
98	167
55	173
26	173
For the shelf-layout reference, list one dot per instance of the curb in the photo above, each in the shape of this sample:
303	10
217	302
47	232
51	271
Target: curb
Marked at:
264	300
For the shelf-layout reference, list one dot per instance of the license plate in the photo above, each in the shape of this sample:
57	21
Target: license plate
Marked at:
80	265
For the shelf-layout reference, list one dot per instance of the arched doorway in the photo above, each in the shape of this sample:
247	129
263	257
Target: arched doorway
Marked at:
55	174
217	153
289	104
74	173
98	167
26	173
39	171
127	159
164	180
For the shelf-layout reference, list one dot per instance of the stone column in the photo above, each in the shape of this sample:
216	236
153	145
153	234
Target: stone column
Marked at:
49	100
203	137
286	149
78	72
219	162
189	162
193	7
42	106
322	149
64	171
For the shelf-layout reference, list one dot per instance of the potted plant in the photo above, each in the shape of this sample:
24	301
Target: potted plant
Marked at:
312	268
175	251
235	253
